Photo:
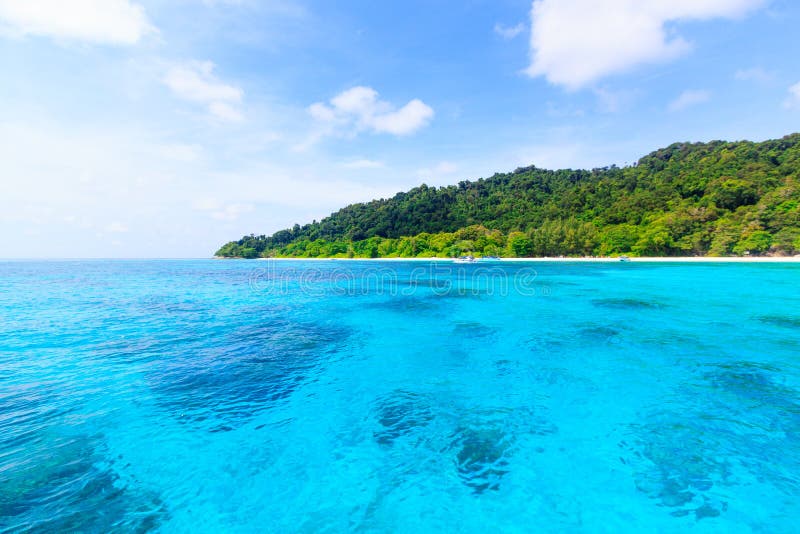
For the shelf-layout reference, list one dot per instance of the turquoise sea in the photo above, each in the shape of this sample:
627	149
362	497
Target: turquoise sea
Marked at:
255	396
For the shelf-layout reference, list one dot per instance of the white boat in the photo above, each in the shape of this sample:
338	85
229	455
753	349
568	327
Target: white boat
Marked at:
624	258
466	259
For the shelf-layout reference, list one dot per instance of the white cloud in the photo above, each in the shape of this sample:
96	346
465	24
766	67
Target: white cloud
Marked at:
186	199
508	32
116	227
793	101
755	74
321	112
359	109
231	212
689	98
363	164
224	111
358	100
97	21
195	82
440	169
577	42
405	120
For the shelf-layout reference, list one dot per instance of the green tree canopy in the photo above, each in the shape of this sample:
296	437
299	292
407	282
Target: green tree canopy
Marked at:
686	199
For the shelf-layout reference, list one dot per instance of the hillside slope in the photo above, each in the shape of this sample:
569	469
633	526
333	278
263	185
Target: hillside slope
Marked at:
717	198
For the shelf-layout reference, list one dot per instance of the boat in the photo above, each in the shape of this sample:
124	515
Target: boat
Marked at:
624	258
466	259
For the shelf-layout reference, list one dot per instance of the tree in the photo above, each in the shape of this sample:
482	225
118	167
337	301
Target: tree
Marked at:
688	198
756	242
618	239
655	241
248	253
519	245
729	194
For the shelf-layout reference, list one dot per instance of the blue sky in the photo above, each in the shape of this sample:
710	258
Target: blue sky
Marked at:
136	128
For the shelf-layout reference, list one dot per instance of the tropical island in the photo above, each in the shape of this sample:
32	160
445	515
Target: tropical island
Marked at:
688	199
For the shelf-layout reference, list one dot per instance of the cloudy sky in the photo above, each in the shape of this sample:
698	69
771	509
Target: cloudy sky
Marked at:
163	128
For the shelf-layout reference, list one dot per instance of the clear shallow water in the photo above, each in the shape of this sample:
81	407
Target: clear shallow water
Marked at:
242	395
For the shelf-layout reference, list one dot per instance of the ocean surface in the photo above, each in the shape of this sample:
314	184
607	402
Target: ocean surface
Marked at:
256	396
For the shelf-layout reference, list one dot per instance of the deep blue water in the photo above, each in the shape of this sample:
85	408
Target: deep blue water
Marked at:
211	396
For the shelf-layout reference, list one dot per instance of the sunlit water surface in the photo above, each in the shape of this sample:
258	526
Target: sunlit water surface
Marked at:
211	396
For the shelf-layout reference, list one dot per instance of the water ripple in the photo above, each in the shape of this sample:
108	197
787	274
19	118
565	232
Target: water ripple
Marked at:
178	395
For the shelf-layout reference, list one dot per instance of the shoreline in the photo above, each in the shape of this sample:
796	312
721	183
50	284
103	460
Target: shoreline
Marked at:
660	259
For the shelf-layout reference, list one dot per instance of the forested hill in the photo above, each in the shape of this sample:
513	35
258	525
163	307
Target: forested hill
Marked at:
716	198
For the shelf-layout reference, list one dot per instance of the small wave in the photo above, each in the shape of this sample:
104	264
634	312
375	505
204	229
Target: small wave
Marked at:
481	456
627	304
781	320
399	414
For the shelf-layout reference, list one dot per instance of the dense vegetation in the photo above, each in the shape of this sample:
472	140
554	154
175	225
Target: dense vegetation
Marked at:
717	198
